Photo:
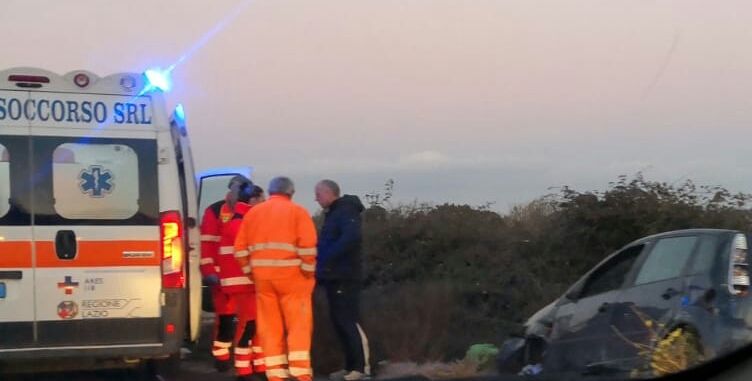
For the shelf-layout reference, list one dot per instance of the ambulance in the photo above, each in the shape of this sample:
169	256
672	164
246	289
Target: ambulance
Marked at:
99	240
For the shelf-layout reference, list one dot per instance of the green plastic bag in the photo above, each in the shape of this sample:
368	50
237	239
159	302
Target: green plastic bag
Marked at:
482	354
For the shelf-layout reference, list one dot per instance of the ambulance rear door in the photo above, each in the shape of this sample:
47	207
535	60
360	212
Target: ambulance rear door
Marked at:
96	225
16	256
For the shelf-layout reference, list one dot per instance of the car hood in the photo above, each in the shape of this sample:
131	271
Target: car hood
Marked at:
535	324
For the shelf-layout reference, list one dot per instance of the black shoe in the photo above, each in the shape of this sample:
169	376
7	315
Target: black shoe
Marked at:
258	377
252	377
222	365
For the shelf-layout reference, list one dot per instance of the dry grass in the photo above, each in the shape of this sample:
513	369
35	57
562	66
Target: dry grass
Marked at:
432	370
424	323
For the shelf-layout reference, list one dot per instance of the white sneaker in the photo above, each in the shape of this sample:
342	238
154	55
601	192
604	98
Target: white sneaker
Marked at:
338	375
356	376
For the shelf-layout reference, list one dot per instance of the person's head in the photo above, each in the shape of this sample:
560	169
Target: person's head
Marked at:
281	186
327	192
241	188
257	196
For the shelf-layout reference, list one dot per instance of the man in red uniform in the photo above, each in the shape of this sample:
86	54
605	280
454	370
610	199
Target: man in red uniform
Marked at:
233	291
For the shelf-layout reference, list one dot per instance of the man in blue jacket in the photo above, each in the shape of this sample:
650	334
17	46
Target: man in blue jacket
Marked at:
339	271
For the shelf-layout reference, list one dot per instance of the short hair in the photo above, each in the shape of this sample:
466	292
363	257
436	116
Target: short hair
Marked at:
281	185
331	185
257	191
241	181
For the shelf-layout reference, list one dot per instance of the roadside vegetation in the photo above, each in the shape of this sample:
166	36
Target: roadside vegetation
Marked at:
444	277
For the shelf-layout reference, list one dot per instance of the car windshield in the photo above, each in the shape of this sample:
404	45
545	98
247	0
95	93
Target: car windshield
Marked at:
375	189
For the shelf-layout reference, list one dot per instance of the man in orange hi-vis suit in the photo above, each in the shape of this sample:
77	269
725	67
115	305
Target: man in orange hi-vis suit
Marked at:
277	245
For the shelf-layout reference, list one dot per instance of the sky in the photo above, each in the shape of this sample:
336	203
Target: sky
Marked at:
462	101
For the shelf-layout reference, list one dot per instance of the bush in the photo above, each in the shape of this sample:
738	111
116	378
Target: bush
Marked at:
443	277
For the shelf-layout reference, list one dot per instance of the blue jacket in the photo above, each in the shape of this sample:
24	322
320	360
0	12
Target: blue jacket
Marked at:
339	247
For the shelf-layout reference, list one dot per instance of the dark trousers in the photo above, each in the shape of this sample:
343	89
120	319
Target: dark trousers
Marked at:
344	307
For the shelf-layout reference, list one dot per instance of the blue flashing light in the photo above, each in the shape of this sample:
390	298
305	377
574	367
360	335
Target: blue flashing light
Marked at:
180	112
158	79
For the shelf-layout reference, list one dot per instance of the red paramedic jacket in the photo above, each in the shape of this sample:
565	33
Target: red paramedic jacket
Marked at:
219	227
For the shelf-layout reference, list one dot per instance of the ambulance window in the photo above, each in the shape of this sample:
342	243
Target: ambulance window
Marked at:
95	181
4	181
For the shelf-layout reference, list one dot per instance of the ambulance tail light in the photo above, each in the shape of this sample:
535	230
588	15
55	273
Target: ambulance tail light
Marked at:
173	255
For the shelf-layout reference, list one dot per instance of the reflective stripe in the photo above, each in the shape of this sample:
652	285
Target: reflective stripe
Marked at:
210	238
258	349
242	351
296	372
275	262
276	360
226	250
302	251
258	362
307	267
242	363
277	373
247	269
272	246
206	261
241	253
222	344
307	252
235	281
221	352
299	356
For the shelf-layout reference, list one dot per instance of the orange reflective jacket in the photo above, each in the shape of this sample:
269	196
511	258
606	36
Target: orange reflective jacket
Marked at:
277	240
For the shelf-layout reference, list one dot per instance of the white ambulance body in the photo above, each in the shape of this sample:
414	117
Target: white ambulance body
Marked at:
99	245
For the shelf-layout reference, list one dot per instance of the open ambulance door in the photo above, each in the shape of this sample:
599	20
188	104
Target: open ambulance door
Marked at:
212	188
190	212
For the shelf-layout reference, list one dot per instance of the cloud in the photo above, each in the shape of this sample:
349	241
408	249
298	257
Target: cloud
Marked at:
425	158
427	161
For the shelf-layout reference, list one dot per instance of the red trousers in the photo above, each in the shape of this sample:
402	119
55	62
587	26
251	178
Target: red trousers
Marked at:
247	349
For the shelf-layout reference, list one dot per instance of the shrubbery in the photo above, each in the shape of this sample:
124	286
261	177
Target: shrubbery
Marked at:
442	277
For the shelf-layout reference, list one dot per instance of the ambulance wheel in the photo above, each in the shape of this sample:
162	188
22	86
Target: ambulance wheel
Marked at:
166	368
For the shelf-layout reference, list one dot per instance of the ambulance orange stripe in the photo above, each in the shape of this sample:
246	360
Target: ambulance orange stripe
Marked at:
15	254
101	253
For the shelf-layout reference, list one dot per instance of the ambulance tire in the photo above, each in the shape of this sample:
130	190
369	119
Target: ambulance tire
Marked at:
164	369
168	368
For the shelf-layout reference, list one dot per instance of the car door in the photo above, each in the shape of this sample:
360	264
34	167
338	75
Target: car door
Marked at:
582	330
654	296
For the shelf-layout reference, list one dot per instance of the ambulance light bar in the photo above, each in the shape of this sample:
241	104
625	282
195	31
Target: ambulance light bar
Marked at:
180	112
158	79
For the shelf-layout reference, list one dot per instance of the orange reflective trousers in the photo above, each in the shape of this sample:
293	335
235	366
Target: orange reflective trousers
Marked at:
285	316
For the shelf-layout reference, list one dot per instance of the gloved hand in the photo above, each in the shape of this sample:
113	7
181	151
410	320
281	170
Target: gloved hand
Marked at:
211	280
